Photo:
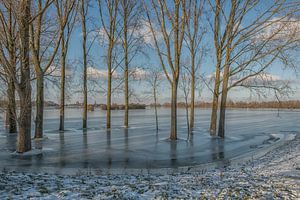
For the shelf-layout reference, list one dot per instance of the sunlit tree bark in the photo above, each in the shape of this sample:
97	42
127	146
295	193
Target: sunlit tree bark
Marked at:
24	88
219	42
230	29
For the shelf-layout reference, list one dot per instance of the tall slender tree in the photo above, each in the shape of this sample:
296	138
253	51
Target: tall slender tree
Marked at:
126	9
110	30
229	29
66	12
132	41
169	14
193	39
24	86
153	78
83	14
185	85
39	44
9	42
219	43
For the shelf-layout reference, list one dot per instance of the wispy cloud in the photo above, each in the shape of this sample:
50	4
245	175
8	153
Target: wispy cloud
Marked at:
96	73
56	71
138	73
144	31
280	29
141	31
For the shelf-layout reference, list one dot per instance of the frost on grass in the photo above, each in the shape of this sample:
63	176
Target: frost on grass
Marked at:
273	176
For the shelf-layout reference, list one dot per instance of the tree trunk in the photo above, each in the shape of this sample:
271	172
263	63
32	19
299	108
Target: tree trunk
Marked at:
221	130
187	115
11	119
85	104
108	100
219	50
173	134
155	106
126	67
192	114
126	96
226	73
39	104
214	111
62	87
11	108
24	136
84	36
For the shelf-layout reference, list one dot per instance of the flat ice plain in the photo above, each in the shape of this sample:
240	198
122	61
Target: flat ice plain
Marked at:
140	147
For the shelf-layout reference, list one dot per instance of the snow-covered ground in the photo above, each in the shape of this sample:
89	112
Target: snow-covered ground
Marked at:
275	175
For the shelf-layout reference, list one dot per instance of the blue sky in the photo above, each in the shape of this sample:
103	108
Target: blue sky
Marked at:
97	55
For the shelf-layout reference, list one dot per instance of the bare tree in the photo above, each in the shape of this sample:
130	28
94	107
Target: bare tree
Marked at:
229	30
193	39
9	42
185	85
66	13
110	29
130	12
165	15
219	43
154	79
44	44
24	86
21	75
83	14
249	50
125	7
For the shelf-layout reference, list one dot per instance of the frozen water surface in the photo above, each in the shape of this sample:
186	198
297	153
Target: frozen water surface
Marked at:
140	146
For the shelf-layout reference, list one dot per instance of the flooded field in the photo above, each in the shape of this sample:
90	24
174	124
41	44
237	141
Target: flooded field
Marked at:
140	146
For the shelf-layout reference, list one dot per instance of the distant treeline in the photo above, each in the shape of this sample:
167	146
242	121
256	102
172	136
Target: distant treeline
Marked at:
230	104
114	106
122	107
243	104
3	104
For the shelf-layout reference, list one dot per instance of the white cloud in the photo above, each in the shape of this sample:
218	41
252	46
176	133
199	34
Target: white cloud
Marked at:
280	29
138	73
101	36
96	73
212	76
55	71
267	77
142	31
263	78
259	78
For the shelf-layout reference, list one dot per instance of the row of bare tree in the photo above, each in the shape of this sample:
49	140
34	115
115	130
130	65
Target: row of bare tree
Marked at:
245	39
